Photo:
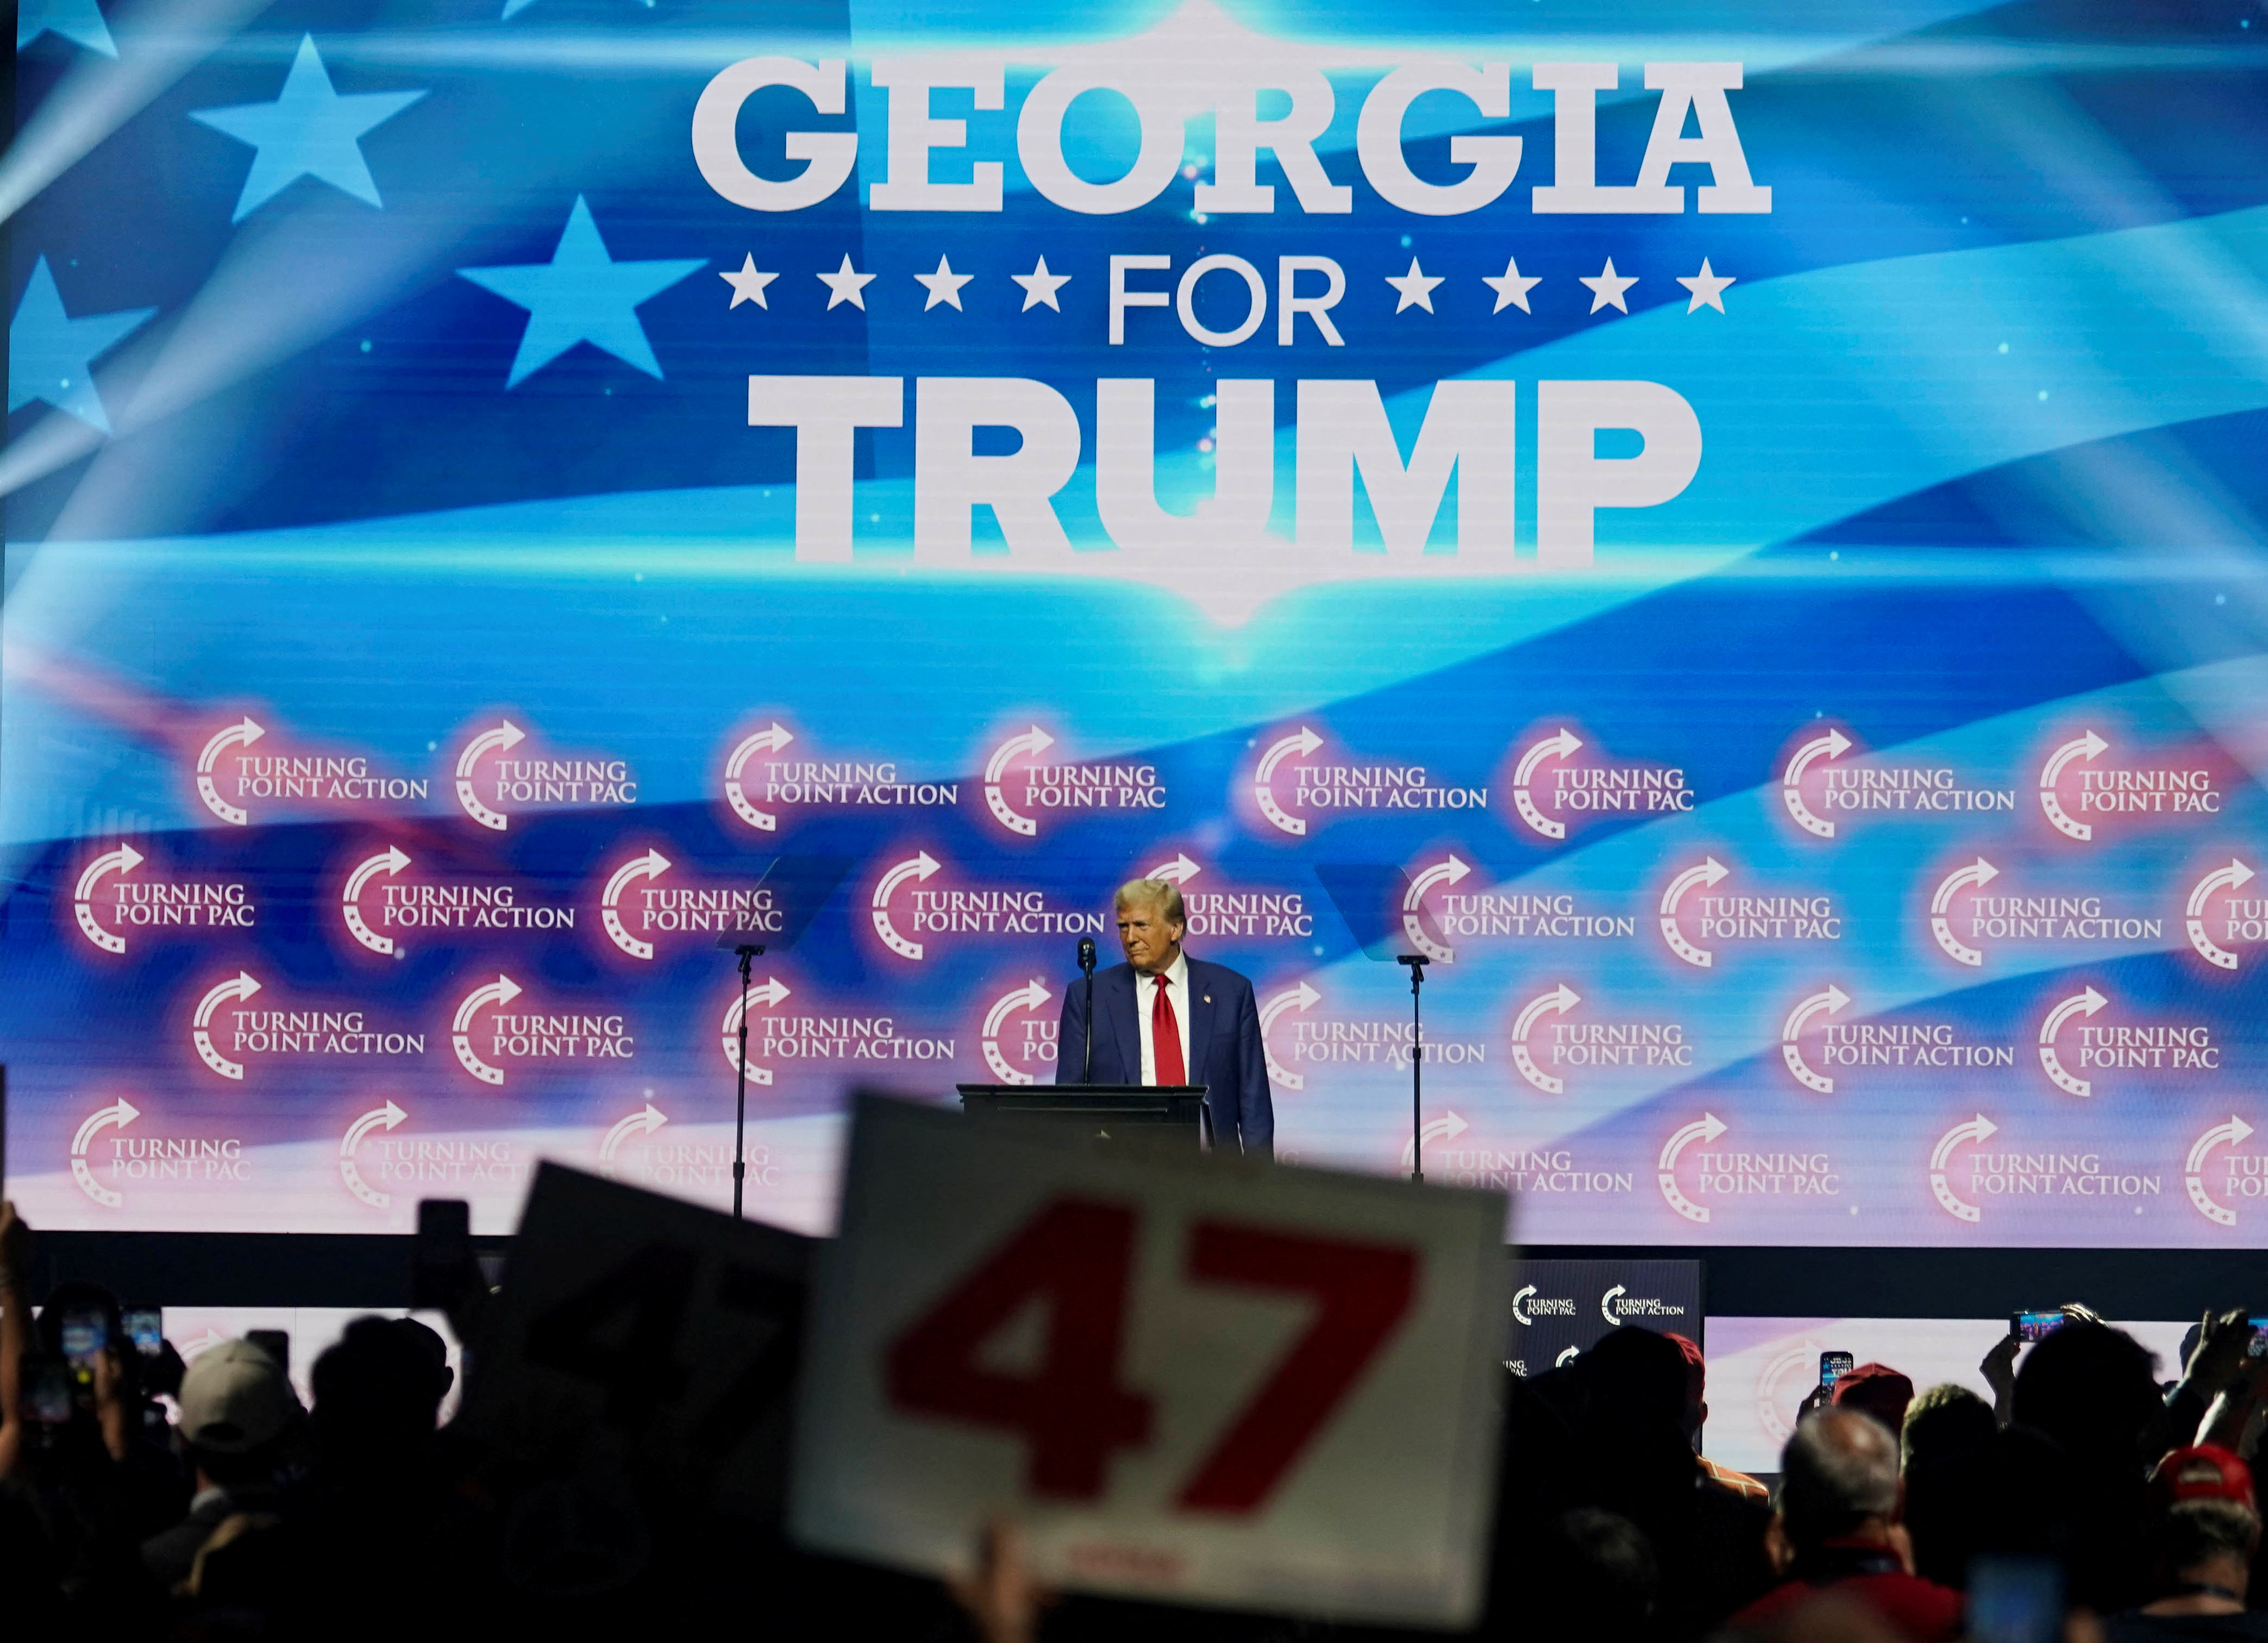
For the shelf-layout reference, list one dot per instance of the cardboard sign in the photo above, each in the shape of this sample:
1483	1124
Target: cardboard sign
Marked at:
1197	1379
638	1336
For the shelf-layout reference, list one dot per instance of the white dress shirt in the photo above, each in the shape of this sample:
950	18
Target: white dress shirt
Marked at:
1146	1000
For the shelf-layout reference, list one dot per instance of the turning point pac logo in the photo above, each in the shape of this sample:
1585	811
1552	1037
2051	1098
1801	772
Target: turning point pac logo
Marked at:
1017	794
2245	1176
109	898
489	786
1550	789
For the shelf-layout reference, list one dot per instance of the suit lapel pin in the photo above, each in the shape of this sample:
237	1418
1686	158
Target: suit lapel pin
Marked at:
1208	997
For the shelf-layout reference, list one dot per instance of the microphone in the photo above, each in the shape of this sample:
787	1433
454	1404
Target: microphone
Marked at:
1087	955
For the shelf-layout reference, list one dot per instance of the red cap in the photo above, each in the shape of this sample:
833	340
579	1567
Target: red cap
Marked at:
1875	1390
2206	1472
1697	1367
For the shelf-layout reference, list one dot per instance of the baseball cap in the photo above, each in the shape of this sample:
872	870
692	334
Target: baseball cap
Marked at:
2203	1472
235	1397
1876	1389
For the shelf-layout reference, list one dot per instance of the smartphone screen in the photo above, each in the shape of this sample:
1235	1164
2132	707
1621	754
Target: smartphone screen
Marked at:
2015	1600
85	1336
2259	1347
443	1246
1834	1365
48	1388
145	1327
2030	1326
275	1342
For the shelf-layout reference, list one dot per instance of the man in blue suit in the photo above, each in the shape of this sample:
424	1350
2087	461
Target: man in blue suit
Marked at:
1165	1018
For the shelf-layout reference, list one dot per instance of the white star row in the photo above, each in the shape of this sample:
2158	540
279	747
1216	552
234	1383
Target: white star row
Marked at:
1608	288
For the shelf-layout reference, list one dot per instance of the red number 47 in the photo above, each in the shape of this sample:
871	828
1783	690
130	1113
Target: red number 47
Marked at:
1076	1258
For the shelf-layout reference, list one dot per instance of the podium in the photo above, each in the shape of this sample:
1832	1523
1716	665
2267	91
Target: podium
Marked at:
1152	1112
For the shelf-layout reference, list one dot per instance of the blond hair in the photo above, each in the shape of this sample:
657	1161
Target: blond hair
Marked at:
1162	893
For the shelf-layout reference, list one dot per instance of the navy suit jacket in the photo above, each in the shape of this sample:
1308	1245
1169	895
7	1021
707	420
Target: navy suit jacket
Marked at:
1224	1051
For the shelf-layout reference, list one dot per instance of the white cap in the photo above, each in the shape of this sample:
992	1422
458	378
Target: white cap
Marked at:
234	1398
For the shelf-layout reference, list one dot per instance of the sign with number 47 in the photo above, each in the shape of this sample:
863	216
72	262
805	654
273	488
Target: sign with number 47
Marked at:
1202	1380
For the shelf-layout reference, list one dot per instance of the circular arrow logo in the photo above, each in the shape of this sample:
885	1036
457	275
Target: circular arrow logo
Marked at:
1301	998
1030	995
651	866
1833	745
489	995
390	861
2085	1002
1790	1033
1447	1127
735	1030
1711	872
1975	876
505	736
1302	743
1029	745
1708	1127
770	739
2234	1133
1519	1305
920	866
642	1123
386	1117
1561	745
237	989
2086	747
1561	999
119	1114
1970	1133
125	859
1180	870
1448	871
243	733
2220	879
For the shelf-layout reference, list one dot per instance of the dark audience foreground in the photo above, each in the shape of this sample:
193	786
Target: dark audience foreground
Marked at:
250	1517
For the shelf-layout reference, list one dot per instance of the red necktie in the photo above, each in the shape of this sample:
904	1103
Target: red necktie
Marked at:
1166	1039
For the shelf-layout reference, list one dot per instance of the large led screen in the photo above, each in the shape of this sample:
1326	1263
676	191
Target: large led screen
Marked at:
1734	528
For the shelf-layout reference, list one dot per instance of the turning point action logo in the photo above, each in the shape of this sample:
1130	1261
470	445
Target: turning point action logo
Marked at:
1815	776
979	912
2027	919
2022	1174
224	776
2241	920
1329	788
752	783
289	1032
1042	788
406	905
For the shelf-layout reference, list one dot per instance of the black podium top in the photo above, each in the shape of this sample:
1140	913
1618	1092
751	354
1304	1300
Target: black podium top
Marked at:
1150	1107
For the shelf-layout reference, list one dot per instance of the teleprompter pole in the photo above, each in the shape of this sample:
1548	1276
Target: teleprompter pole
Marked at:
1417	1067
748	955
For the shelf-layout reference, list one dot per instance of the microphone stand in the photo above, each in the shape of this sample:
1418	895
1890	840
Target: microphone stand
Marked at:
1086	1061
740	1107
1416	964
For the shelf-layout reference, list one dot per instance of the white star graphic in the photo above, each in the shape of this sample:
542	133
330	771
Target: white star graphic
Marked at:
944	285
1040	286
843	285
1415	287
1707	287
748	284
1512	286
1608	287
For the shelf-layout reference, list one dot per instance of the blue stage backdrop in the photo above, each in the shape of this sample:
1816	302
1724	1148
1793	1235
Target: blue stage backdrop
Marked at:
1753	510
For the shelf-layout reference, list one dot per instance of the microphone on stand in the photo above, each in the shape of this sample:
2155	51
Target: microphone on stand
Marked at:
1087	967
